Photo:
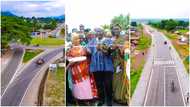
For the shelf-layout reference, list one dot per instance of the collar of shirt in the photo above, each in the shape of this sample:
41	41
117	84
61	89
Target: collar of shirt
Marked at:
100	41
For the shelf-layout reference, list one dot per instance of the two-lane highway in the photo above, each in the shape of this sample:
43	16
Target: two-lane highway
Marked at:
8	73
16	91
163	73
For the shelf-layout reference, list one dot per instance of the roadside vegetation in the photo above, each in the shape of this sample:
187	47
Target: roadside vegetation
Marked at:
144	42
54	92
29	54
47	41
135	74
173	30
138	57
15	29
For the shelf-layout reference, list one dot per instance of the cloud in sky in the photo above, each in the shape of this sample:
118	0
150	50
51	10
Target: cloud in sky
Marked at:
94	13
34	8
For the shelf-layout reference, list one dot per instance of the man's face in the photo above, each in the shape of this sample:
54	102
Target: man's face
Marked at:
116	30
81	28
99	34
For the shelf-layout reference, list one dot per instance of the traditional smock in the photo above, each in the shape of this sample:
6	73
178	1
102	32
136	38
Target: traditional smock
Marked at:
83	86
100	61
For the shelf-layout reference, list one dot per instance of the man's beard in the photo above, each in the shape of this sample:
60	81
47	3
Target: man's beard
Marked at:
115	34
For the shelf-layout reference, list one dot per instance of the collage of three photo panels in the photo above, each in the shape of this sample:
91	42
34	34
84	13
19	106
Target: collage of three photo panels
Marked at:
95	52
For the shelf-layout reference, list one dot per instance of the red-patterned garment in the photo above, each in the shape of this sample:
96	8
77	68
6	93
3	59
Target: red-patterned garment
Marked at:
81	77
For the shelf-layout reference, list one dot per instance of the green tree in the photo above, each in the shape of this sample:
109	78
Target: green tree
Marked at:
51	25
14	29
105	26
171	24
168	24
122	20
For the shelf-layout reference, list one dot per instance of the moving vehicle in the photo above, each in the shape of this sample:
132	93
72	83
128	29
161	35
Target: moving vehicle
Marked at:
165	42
172	86
40	61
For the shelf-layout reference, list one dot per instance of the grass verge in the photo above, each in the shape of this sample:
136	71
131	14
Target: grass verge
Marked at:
29	54
47	41
135	73
54	93
144	42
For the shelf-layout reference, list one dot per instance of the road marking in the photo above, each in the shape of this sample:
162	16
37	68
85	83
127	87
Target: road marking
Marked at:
180	88
37	74
164	62
146	97
14	75
151	73
172	55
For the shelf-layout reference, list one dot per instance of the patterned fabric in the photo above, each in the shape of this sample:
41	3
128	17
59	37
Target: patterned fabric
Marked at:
120	81
99	60
81	77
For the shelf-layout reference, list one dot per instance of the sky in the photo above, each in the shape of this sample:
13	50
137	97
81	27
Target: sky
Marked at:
93	13
43	8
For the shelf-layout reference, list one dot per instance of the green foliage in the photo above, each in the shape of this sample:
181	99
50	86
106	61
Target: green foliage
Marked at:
45	23
169	24
122	20
144	42
186	63
105	26
14	29
51	25
29	54
182	31
55	88
47	41
135	76
18	29
63	31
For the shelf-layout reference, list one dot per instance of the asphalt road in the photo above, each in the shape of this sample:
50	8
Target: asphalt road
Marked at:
11	68
163	72
17	89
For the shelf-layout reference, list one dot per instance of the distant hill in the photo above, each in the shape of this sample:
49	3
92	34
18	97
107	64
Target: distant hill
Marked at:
60	18
7	13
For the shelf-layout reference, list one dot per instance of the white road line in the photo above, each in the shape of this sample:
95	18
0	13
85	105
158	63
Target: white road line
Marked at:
153	52
173	57
36	75
148	88
180	88
14	75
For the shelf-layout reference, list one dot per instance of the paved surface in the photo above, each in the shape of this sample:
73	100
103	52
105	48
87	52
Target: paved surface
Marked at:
32	93
163	72
5	58
11	68
154	86
16	91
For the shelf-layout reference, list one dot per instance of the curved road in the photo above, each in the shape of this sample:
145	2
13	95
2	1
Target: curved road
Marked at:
15	92
163	71
11	68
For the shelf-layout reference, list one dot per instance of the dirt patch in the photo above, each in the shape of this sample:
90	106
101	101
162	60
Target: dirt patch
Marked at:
138	59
